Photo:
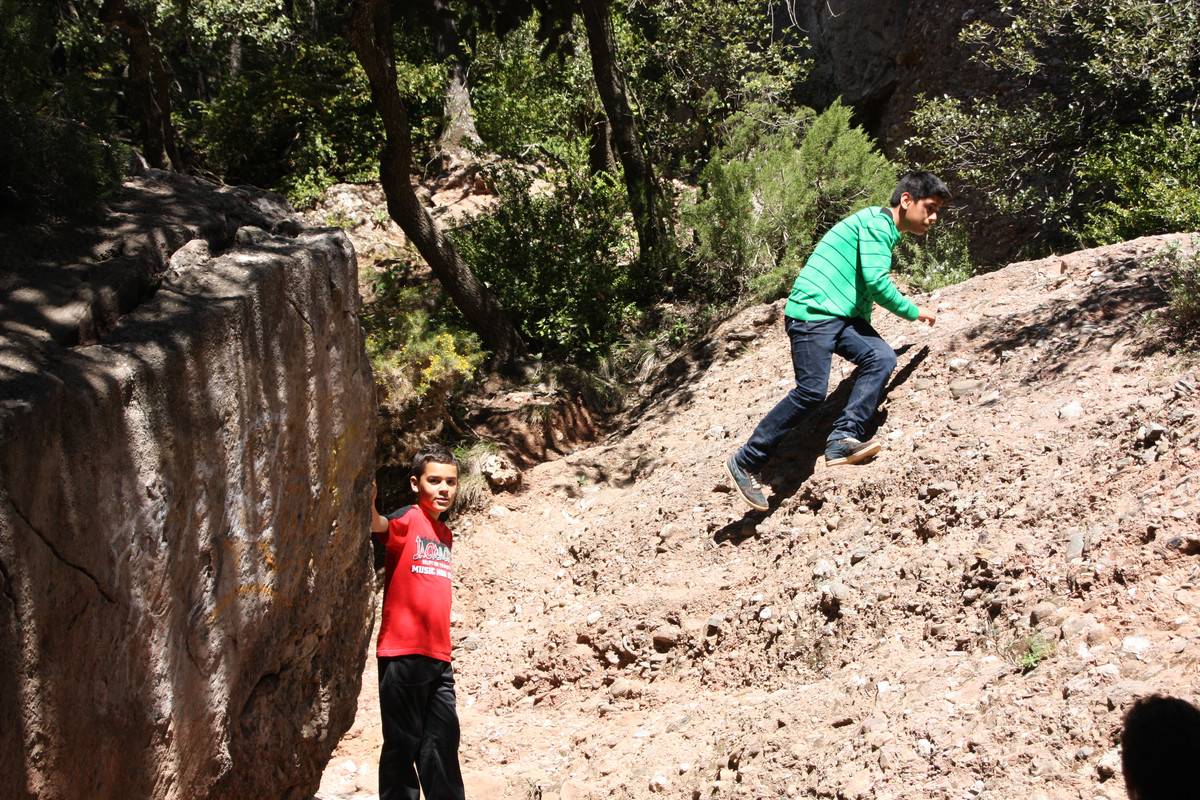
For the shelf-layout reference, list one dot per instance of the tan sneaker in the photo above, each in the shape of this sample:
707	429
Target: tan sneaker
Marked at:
849	451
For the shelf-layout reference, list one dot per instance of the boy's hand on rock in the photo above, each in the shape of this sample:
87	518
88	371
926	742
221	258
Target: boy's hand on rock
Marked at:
926	315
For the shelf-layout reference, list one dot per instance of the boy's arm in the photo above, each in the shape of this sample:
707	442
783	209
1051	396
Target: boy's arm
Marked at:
379	523
875	255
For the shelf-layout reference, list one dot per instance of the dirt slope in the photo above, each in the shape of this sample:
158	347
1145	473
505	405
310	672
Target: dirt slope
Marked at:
966	617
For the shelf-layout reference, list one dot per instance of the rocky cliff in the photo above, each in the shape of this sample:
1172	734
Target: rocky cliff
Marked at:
879	56
186	443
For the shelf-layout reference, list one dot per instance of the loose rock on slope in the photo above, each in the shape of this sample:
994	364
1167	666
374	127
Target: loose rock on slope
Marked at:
967	616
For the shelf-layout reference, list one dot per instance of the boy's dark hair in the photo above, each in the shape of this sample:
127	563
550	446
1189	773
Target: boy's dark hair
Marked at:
435	452
1160	748
921	184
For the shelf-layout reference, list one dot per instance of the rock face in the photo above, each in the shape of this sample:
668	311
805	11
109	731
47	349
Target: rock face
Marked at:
878	56
184	574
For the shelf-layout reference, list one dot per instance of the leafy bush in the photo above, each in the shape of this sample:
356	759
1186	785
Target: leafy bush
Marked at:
54	167
773	191
1183	288
57	157
556	255
939	258
299	125
1151	177
1008	165
1106	126
416	353
696	62
525	103
420	359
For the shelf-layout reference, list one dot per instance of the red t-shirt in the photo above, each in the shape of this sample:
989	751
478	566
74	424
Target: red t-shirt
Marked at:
416	589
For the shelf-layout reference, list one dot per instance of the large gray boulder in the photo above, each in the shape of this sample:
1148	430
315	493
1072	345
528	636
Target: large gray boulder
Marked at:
186	449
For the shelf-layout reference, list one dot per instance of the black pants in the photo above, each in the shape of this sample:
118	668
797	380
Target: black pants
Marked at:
420	726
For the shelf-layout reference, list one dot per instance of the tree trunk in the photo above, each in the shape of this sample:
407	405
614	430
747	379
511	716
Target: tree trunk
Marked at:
460	116
235	57
147	85
369	30
656	248
600	148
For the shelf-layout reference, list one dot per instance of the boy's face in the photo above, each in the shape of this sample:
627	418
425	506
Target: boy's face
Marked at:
917	215
436	487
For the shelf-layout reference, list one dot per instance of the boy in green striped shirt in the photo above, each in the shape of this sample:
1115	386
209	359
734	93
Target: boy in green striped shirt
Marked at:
829	311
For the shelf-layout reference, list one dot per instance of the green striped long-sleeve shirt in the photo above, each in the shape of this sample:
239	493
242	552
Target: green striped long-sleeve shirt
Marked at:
848	272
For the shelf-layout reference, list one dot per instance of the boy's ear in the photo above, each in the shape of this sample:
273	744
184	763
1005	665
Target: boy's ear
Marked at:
906	200
414	482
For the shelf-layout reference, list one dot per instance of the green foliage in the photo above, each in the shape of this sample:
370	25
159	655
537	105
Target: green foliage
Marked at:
1009	163
1107	125
299	125
1027	652
939	258
51	164
696	62
773	191
524	102
414	353
555	255
1183	288
54	167
1152	179
422	359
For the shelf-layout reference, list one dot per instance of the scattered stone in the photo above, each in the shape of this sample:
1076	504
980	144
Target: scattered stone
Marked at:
961	388
1075	547
1072	410
1043	614
1123	694
666	637
824	568
1109	765
625	688
1186	543
1135	646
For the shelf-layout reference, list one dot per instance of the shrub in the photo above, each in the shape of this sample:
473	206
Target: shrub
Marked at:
556	254
54	167
1183	288
939	258
524	101
1151	179
420	360
773	191
1104	127
301	124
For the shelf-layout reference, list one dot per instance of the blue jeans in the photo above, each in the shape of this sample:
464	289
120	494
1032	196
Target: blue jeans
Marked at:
420	729
813	346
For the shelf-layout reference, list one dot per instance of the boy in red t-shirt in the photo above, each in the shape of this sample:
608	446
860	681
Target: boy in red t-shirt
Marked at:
416	682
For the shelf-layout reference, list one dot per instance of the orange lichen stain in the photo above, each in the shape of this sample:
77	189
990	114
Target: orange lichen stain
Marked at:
268	556
260	589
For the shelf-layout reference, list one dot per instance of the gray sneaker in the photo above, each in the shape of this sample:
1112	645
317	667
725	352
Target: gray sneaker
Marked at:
746	484
849	451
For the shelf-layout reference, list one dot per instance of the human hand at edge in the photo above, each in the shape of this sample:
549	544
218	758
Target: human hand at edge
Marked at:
926	315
